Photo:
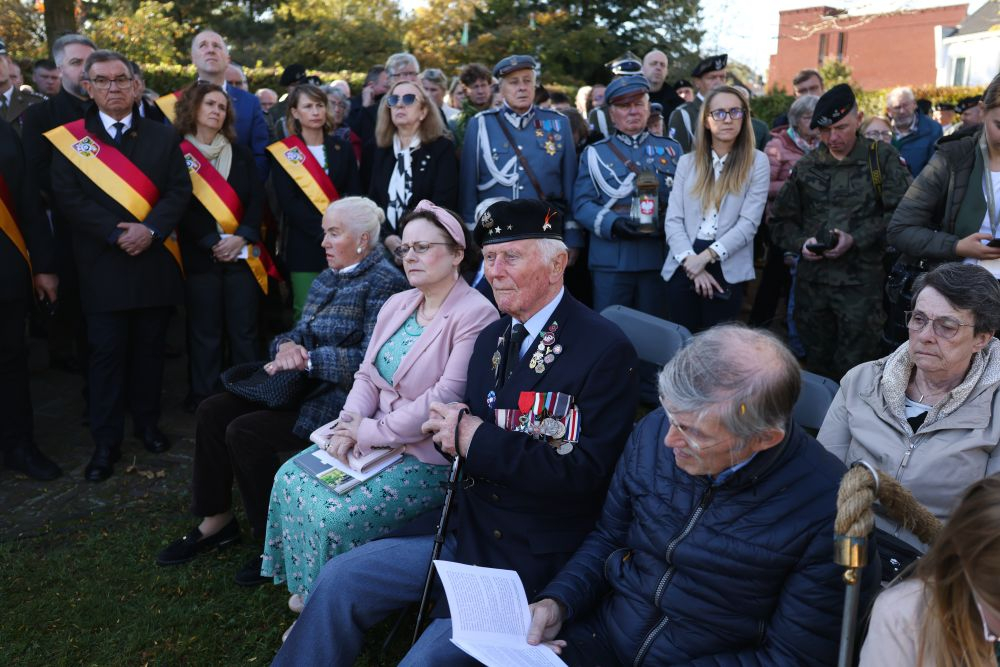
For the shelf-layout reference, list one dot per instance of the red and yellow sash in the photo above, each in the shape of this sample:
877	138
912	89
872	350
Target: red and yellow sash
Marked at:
297	160
168	103
221	201
111	171
7	223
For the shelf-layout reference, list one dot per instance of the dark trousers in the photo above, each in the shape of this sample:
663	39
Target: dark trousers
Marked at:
16	426
586	644
641	290
237	438
697	313
222	304
125	370
840	325
774	284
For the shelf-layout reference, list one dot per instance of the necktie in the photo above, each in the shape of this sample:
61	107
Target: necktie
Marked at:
119	130
517	336
3	106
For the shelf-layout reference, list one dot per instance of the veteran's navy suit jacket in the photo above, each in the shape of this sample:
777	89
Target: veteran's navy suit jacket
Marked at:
522	506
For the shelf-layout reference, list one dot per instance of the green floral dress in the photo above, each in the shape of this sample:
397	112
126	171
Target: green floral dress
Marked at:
308	523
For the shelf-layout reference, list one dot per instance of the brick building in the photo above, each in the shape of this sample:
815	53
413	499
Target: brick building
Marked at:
882	50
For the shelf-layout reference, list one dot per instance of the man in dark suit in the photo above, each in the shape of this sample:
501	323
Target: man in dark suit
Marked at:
550	399
67	330
147	108
128	276
24	232
210	56
13	101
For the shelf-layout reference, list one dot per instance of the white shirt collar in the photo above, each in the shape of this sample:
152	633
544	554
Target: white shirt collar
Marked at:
9	94
347	269
109	123
537	322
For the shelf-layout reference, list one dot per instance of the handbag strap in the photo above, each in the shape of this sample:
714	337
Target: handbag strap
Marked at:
520	158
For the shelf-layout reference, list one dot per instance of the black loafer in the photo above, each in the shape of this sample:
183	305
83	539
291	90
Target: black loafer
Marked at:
249	574
192	544
29	460
102	463
153	439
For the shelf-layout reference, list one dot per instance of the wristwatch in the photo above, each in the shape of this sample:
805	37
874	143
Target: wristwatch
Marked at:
715	256
152	233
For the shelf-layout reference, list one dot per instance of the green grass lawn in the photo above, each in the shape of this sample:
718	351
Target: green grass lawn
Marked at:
89	593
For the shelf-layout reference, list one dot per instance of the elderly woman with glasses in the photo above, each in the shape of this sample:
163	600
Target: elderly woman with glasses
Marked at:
414	158
339	106
435	84
418	354
925	414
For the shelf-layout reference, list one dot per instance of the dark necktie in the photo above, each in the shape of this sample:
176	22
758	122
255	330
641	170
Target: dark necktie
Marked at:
119	130
517	336
3	106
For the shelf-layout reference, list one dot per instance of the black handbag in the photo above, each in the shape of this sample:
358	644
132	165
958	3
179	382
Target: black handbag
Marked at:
284	389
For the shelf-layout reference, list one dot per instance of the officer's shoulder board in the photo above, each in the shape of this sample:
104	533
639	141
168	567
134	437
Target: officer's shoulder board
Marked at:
554	112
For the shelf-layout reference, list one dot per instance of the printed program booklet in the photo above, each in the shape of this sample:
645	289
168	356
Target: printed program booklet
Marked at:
342	478
490	616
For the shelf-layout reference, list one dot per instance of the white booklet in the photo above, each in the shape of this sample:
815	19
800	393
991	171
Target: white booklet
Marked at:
342	478
490	616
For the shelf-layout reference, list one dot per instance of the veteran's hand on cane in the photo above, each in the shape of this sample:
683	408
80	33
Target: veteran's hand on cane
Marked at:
290	357
228	249
546	622
440	425
972	246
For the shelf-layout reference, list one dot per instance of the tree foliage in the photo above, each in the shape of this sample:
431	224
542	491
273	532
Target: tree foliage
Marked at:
146	33
23	30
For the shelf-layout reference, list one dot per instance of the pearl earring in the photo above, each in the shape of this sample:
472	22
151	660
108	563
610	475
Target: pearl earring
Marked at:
359	249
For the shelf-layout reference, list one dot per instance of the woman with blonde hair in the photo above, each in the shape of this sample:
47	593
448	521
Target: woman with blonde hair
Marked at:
948	613
414	158
715	207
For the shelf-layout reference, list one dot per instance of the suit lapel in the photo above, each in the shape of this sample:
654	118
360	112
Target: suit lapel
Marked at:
526	378
431	333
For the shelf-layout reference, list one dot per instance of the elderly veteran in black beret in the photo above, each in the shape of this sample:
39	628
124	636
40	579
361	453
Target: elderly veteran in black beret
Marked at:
549	401
970	113
708	74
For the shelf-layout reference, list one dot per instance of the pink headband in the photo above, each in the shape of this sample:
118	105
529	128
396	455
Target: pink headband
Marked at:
447	220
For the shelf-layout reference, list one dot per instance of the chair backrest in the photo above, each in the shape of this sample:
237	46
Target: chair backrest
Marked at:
655	341
814	400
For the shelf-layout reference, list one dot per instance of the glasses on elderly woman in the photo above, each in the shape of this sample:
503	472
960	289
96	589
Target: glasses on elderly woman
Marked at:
945	327
401	100
879	135
736	113
420	247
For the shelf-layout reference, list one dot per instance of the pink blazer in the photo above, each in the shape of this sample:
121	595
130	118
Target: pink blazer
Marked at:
434	369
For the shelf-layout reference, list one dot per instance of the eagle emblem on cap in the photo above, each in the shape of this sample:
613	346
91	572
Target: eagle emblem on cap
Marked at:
486	220
718	63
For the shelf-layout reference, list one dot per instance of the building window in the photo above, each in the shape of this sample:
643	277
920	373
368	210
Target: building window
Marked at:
841	44
959	79
822	49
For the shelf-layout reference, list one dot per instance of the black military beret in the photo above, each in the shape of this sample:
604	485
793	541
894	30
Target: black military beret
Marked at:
513	64
519	219
967	103
292	74
833	105
944	106
710	64
683	83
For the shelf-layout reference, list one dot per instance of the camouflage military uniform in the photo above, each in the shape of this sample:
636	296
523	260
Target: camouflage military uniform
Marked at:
838	302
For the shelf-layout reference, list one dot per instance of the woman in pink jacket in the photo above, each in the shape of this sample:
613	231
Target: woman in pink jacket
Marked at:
419	353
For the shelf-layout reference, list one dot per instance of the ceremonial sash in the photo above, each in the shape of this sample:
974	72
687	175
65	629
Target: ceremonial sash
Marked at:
168	103
112	172
299	163
8	224
221	201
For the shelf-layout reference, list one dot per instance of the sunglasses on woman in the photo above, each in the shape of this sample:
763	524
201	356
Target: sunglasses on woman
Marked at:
401	100
736	113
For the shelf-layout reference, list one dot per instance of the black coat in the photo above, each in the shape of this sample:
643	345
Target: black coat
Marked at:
110	278
435	176
303	232
198	231
15	279
523	506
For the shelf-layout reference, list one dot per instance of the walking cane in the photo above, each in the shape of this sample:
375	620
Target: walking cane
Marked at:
442	531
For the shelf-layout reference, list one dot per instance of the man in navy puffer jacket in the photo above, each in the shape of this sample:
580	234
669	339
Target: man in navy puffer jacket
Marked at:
715	542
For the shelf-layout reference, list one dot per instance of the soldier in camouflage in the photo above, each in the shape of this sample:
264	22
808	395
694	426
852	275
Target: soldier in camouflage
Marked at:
831	212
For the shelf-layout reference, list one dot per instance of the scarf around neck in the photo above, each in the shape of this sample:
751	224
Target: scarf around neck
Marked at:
219	153
401	180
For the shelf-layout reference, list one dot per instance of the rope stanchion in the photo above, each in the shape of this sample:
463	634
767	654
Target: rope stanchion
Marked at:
860	488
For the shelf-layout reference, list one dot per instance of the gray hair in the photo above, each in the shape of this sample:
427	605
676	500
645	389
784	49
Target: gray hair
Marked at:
900	92
362	215
104	56
549	248
336	91
966	287
59	46
397	60
435	76
802	106
747	377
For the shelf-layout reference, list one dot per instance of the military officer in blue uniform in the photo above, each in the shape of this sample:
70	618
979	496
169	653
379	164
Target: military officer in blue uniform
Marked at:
620	197
518	151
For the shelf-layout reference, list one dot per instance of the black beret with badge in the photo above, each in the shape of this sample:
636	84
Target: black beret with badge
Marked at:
292	74
518	219
512	64
833	105
967	103
944	106
683	83
710	64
